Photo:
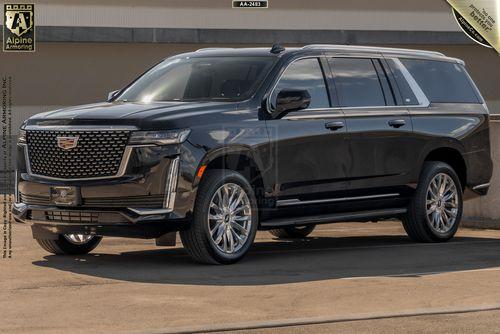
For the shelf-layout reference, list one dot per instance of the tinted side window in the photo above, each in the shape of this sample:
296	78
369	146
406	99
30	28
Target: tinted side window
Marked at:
304	74
357	82
407	94
442	82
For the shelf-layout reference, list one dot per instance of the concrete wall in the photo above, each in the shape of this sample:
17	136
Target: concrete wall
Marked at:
484	212
428	15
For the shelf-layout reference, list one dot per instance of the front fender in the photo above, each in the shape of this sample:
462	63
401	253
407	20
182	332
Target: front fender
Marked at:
194	157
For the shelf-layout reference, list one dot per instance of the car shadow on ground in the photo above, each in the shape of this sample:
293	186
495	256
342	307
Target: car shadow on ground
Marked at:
280	262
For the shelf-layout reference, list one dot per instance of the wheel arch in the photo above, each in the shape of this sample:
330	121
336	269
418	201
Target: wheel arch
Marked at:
238	158
453	157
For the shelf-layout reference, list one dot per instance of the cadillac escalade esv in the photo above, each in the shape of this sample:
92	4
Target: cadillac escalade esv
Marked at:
219	143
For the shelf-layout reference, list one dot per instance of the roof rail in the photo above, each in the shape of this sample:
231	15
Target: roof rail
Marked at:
372	49
213	49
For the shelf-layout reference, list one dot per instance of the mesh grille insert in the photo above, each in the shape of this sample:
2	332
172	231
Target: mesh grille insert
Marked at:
97	154
72	216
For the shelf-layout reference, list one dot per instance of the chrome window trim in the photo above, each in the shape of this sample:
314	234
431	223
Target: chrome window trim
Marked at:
377	113
323	113
485	106
423	101
347	108
383	107
295	201
419	94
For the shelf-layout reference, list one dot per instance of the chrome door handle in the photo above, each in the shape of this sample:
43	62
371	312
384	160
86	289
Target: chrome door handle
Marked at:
334	125
397	123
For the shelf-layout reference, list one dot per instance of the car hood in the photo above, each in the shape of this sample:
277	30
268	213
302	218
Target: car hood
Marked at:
140	115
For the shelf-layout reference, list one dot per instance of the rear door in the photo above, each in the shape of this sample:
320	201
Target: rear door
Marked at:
380	130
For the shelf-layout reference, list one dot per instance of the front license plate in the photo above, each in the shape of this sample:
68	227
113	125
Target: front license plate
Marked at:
67	196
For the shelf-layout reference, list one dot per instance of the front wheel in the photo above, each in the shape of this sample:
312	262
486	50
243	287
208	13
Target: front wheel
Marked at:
74	244
435	211
224	220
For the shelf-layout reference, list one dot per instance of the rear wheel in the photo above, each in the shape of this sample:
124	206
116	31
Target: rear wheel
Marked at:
435	211
294	232
74	244
224	220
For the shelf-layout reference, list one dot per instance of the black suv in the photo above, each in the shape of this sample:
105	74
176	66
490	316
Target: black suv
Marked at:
221	142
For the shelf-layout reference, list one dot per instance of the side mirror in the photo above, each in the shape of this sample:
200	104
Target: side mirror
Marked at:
111	95
292	100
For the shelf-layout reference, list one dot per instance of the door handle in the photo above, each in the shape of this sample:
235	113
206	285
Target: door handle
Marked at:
334	125
397	123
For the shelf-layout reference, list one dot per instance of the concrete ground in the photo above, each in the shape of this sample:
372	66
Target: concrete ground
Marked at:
484	322
361	278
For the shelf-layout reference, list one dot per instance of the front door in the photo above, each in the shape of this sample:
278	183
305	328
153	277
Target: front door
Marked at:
310	147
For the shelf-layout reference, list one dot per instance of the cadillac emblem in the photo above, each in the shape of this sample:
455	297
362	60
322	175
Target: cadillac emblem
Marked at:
67	143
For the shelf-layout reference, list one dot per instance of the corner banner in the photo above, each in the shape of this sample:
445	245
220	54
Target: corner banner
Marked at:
480	20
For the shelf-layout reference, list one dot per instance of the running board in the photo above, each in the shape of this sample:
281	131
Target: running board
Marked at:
295	201
334	217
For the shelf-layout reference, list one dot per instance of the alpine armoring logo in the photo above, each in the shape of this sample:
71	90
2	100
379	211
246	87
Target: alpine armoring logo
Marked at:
19	27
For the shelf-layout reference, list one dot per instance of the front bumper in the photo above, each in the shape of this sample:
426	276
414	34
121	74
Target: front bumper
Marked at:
33	214
49	221
153	197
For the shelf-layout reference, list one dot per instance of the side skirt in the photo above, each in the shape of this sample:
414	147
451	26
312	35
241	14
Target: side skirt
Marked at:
333	218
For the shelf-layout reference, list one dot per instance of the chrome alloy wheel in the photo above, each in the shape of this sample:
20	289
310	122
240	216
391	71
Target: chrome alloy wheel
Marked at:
229	218
78	239
442	203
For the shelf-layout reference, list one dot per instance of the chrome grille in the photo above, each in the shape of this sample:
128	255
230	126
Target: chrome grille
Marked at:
151	201
97	154
34	199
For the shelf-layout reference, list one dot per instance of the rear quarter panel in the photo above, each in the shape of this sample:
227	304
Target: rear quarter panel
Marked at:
463	127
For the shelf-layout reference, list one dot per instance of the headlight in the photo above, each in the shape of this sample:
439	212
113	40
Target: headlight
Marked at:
160	137
22	137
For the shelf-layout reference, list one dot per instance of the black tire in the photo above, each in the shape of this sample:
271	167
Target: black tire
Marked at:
294	232
197	240
62	246
416	222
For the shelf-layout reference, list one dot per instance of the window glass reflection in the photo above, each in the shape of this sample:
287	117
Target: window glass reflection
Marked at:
304	74
357	82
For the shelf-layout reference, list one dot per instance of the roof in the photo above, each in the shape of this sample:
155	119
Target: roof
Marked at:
265	51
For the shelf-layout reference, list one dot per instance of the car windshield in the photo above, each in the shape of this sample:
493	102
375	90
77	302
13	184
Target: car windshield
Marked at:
199	79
